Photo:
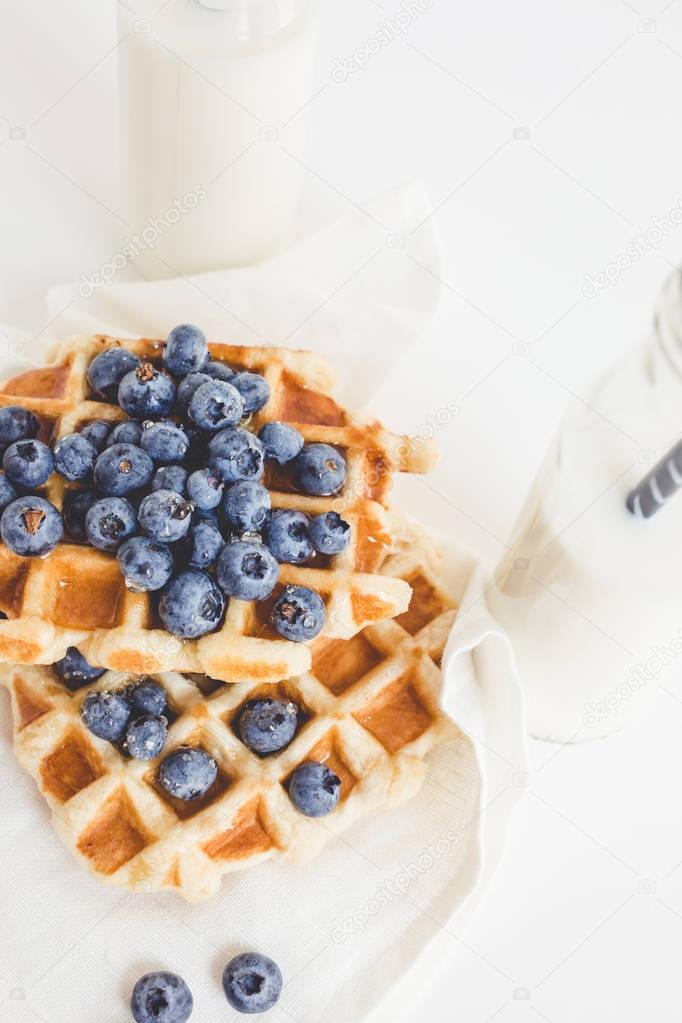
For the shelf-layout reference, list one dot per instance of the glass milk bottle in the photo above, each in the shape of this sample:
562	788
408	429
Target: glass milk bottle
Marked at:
207	89
590	594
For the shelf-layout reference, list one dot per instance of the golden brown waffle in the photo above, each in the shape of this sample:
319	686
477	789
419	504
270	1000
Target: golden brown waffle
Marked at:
371	709
76	596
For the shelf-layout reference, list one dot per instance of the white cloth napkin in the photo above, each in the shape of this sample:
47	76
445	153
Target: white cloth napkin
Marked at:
345	929
348	927
349	292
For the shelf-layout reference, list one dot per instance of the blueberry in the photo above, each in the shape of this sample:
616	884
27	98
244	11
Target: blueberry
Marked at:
146	394
165	515
287	536
254	389
204	489
218	370
216	405
170	477
165	442
185	351
161	998
17	423
74	457
106	715
7	492
98	433
320	470
74	671
121	469
299	614
107	369
246	506
188	773
314	789
203	543
267	726
247	571
76	506
126	433
209	515
148	697
235	454
28	463
31	526
188	386
252	982
191	605
146	565
109	522
281	442
329	533
145	737
196	455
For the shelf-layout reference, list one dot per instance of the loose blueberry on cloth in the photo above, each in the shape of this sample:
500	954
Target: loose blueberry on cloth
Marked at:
161	998
252	982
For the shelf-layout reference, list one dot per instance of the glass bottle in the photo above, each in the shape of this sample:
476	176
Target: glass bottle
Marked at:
207	87
591	595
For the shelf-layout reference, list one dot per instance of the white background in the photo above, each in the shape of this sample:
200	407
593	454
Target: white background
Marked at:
548	132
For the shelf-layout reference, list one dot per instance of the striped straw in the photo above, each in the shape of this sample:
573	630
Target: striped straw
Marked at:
658	486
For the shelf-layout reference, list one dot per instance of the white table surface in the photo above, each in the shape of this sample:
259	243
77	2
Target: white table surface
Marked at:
548	134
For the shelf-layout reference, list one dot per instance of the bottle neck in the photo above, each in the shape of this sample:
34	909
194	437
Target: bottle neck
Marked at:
668	321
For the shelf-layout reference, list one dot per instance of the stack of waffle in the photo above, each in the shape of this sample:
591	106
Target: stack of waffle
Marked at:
367	687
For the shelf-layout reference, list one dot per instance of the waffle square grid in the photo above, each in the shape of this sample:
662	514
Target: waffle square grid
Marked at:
76	596
370	711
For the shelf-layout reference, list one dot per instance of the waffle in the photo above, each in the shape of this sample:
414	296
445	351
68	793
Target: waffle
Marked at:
371	710
76	596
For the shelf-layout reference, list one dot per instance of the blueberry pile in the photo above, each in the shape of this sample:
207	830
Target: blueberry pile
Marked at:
135	718
176	491
252	984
